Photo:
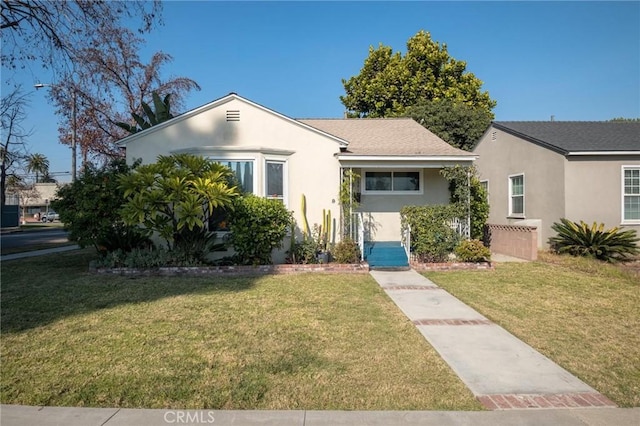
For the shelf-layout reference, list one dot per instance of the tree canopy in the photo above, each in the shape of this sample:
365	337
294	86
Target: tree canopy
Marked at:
390	82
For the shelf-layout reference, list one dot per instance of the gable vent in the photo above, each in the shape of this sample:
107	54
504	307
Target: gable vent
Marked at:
494	135
233	115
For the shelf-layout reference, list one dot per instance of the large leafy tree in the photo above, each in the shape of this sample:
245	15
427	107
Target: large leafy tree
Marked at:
457	123
176	196
390	82
425	83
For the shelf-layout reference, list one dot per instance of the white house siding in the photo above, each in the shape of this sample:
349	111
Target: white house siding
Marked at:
311	166
594	189
501	155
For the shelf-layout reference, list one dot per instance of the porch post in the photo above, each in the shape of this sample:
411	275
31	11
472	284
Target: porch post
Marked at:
468	230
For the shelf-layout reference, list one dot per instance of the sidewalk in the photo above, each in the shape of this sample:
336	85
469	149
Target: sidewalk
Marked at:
11	415
34	253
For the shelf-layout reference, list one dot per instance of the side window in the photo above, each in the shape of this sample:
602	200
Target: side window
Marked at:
274	180
516	195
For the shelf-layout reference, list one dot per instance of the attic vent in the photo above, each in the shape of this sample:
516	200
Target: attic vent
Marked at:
494	136
233	115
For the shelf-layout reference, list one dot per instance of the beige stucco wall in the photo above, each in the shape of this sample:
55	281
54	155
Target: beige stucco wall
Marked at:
311	167
594	189
544	175
382	211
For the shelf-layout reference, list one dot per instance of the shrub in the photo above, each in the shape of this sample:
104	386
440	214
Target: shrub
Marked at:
346	251
472	251
432	237
465	186
147	259
580	239
175	197
89	209
258	226
304	252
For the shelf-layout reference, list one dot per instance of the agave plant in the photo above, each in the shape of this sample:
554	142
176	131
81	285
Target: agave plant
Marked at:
580	239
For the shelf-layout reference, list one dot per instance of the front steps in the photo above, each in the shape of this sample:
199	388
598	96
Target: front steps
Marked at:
386	255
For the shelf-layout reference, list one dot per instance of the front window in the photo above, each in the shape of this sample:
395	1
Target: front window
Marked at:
393	181
275	180
516	195
243	171
631	194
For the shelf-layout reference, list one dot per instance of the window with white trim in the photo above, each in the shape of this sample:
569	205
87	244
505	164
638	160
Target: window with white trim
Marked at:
274	180
485	185
406	182
243	171
631	194
516	195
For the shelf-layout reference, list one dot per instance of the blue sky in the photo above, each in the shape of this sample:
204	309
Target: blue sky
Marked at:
573	60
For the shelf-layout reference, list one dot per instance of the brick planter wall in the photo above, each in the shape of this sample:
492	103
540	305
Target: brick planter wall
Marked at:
514	240
233	271
452	266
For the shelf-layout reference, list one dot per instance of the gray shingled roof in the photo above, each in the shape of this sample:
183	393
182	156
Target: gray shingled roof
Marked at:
574	136
385	136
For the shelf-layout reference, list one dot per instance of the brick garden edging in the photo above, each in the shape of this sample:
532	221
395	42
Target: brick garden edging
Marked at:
451	266
238	270
244	270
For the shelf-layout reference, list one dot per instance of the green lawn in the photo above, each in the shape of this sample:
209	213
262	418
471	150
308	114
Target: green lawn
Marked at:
275	342
584	315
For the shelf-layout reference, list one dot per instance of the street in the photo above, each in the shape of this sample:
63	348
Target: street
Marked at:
31	238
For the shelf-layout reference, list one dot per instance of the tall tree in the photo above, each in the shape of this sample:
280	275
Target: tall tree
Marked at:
389	82
12	148
38	164
160	113
457	123
110	83
51	32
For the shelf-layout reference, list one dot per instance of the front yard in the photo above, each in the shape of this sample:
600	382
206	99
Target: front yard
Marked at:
584	315
280	342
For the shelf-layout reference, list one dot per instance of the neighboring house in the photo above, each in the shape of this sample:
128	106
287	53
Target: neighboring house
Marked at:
539	172
34	200
283	158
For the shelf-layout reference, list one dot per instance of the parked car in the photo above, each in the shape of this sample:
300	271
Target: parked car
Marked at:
50	216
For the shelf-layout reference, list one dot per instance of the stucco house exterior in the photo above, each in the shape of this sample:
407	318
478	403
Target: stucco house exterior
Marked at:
539	172
280	157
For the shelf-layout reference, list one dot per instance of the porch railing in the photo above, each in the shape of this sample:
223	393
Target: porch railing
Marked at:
406	240
357	231
461	226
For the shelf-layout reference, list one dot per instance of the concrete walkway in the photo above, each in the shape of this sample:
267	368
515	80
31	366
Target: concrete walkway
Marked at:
35	253
502	371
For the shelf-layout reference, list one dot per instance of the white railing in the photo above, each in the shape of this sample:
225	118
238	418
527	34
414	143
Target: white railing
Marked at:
406	241
461	226
357	231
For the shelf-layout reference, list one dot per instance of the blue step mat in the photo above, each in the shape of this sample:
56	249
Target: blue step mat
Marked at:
385	254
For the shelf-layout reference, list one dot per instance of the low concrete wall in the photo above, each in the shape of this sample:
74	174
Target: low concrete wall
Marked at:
513	240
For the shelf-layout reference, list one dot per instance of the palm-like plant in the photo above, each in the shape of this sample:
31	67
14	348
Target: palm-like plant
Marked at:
161	114
38	164
580	239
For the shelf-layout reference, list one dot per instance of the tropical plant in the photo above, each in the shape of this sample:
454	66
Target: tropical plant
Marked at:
38	164
304	252
580	239
161	114
472	251
258	226
432	235
175	197
89	207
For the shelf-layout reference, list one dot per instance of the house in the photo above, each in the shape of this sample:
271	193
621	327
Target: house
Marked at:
538	172
34	200
279	157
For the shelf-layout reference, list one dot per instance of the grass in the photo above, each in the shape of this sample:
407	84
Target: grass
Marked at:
275	342
581	313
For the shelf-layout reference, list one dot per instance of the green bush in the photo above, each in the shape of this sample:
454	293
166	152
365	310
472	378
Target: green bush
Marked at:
472	251
580	239
147	259
258	226
432	238
465	186
304	252
346	251
89	208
